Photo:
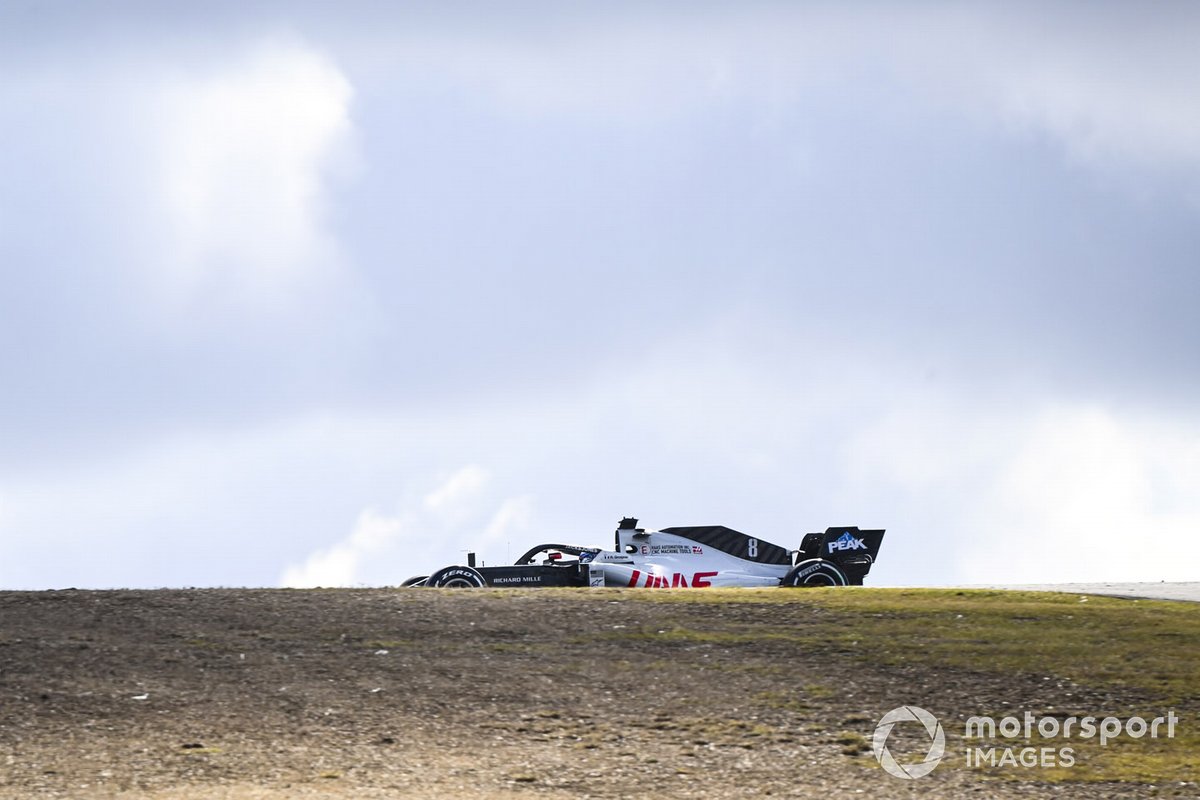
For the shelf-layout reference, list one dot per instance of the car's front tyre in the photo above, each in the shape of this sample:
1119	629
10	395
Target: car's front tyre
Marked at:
456	578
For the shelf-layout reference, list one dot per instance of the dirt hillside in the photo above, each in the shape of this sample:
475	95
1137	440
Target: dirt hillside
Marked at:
471	693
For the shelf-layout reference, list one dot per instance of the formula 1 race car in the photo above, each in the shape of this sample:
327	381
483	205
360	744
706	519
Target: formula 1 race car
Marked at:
693	557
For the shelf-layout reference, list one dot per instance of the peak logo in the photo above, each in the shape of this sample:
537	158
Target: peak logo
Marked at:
847	542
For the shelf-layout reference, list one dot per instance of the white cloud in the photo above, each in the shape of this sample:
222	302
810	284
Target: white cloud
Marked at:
453	498
245	152
1034	494
420	532
1114	86
1089	495
193	183
513	517
634	68
340	564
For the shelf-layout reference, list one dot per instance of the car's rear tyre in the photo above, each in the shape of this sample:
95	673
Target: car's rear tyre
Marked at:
416	580
815	572
456	578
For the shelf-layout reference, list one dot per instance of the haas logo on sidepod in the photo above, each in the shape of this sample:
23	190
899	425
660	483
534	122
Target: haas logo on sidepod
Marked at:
676	581
847	542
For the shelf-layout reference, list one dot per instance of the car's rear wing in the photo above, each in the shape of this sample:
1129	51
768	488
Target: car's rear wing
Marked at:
851	549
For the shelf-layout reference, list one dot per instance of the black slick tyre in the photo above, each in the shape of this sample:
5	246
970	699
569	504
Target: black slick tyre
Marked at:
456	578
815	572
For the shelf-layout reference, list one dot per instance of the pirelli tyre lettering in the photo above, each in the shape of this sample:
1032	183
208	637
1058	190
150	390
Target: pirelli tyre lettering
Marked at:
815	572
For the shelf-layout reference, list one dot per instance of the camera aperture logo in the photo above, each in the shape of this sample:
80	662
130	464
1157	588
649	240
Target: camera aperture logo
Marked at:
937	742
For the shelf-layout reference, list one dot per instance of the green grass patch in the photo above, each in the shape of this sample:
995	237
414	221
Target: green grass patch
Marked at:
799	700
852	743
389	644
1149	646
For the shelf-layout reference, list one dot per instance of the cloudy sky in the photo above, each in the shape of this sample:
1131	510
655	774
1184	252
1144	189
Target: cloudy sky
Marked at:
304	295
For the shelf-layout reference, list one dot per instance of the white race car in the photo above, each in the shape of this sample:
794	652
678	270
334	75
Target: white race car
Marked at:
685	558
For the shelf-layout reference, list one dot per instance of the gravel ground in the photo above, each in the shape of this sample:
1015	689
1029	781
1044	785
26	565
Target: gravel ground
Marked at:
196	694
